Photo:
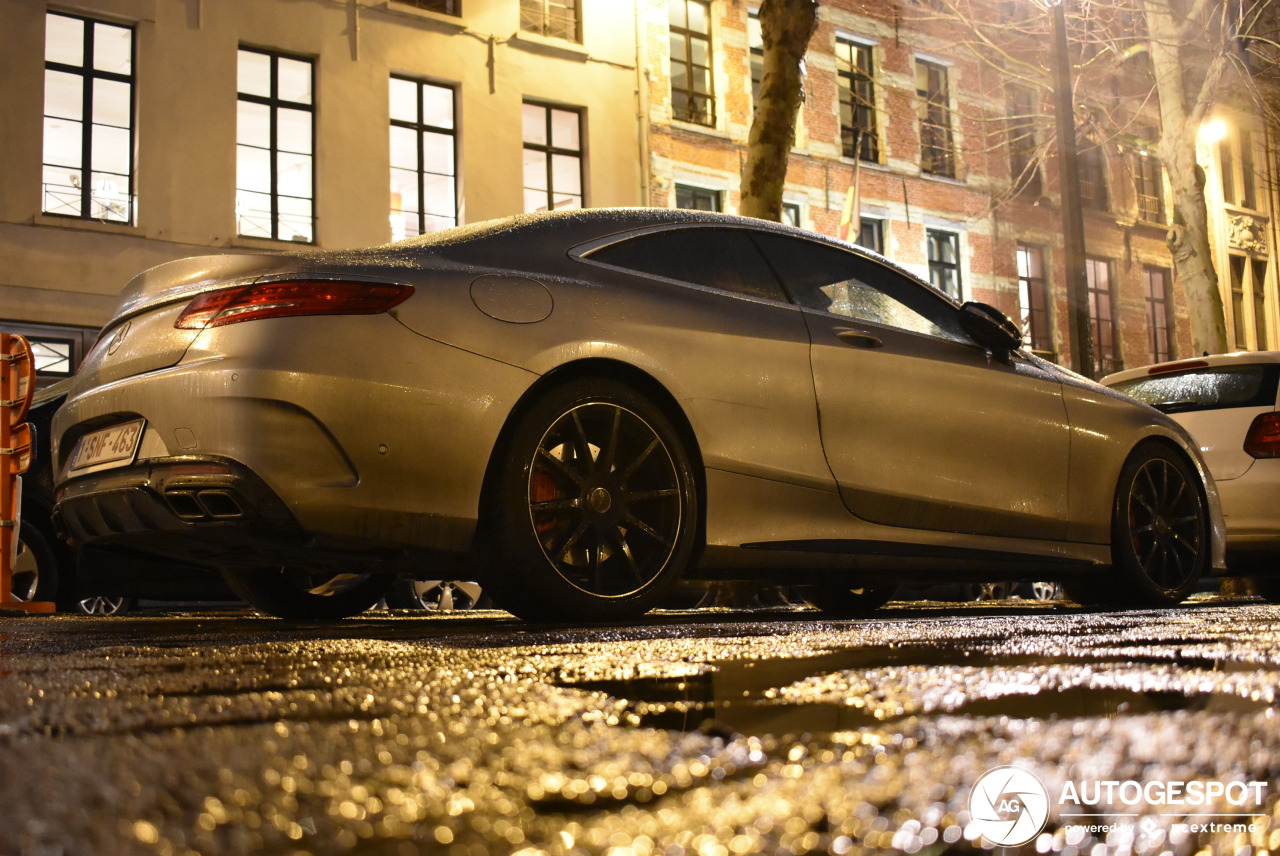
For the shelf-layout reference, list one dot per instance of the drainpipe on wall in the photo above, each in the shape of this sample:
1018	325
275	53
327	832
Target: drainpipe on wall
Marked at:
642	111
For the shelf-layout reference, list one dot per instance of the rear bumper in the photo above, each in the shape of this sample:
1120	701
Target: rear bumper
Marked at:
199	510
1251	505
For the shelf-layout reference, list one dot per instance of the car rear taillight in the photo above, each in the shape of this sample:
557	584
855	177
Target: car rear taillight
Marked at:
285	299
1263	439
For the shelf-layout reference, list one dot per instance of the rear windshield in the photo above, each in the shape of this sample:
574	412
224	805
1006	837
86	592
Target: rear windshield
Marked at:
1206	389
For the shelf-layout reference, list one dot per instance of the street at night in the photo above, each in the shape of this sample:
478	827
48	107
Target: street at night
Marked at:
704	732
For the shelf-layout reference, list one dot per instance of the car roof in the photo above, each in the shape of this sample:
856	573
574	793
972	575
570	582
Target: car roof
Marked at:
1235	358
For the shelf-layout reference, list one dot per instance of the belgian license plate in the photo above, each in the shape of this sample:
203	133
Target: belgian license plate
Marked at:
108	447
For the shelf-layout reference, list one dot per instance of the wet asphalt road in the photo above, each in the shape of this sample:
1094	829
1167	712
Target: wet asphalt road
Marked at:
714	734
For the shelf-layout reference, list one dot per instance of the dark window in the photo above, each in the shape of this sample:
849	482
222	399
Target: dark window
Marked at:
423	171
832	280
1155	282
448	7
1101	315
691	92
555	18
275	142
1148	184
858	135
937	147
1033	298
1093	178
1215	388
724	259
552	158
1024	167
88	119
698	198
944	262
871	234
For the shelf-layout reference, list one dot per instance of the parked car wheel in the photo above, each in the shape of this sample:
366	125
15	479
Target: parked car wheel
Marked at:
435	595
596	505
35	573
1160	537
308	595
105	605
846	602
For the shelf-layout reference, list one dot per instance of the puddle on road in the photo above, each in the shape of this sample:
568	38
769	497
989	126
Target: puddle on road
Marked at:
784	696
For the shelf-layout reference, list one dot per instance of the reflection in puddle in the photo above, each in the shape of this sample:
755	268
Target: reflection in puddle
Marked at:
855	689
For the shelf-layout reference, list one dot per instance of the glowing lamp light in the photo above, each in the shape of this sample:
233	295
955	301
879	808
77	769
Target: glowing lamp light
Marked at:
1213	131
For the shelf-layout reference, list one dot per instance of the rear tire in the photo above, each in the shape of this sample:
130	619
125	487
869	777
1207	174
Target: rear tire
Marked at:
593	507
435	595
307	595
35	573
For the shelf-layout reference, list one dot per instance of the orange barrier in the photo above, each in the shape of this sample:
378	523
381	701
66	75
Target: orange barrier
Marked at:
17	386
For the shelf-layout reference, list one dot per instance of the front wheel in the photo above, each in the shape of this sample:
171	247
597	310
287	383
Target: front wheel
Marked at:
35	572
594	505
308	595
1160	530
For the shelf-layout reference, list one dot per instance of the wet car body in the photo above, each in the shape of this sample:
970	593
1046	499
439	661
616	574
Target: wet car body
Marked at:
799	440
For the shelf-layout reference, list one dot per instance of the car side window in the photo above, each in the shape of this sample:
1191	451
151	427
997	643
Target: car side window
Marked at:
843	283
724	259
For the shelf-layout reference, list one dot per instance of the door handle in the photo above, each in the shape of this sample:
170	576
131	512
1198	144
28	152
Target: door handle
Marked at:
857	338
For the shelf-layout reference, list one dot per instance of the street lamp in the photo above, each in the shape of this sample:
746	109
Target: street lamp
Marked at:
1079	326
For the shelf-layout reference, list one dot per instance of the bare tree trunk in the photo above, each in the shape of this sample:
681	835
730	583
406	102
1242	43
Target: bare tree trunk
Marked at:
1188	236
785	27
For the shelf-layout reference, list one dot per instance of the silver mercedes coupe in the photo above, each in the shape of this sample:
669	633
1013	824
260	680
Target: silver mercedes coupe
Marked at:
578	409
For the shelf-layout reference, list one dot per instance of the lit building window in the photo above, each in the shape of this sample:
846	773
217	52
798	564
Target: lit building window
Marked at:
88	119
555	18
1155	285
944	262
698	198
275	141
1235	159
791	214
423	168
691	92
937	144
1033	298
52	356
552	158
859	137
1101	315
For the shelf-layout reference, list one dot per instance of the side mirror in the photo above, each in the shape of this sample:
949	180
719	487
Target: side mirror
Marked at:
990	327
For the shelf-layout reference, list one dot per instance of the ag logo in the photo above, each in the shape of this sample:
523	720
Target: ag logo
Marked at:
1009	806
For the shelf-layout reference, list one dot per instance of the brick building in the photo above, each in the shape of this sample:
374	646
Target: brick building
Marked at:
135	131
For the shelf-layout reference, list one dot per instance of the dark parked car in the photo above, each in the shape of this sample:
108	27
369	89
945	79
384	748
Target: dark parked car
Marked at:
581	408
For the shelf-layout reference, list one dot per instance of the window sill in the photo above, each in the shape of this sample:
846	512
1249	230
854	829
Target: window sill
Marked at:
549	46
106	227
694	127
245	242
451	24
944	179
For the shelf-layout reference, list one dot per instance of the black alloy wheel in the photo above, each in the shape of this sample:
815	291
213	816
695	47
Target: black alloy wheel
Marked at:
295	593
598	505
1160	529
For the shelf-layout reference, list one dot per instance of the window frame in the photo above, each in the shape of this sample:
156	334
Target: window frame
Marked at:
856	91
543	25
420	127
274	105
550	152
696	190
938	156
89	75
1034	303
876	226
1160	321
1091	164
1024	170
708	116
1148	187
1107	356
939	267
